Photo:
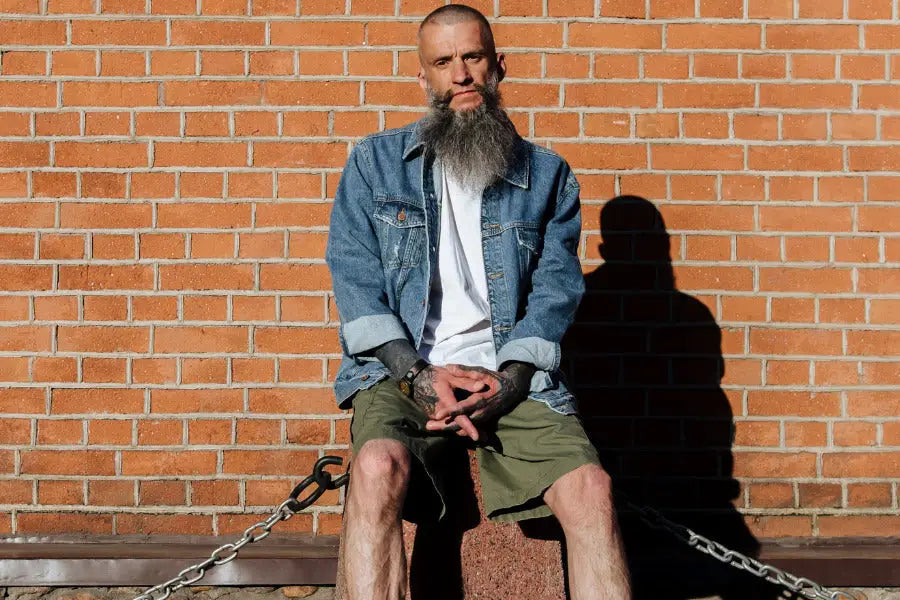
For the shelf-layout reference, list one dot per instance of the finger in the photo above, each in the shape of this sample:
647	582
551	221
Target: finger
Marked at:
467	406
463	370
467	426
470	385
462	407
444	427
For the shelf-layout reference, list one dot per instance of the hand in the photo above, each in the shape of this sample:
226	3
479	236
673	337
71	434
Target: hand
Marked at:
505	390
433	392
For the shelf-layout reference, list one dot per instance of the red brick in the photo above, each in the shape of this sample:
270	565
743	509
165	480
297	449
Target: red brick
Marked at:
881	37
618	35
821	9
861	464
793	310
787	372
68	523
704	35
770	465
881	373
869	9
795	158
868	495
756	127
152	462
872	404
791	188
813	66
842	310
795	341
665	9
836	373
162	493
118	32
24	154
68	462
666	66
215	493
150	524
657	125
854	433
34	32
812	37
319	33
805	434
820	495
269	462
800	404
708	95
806	95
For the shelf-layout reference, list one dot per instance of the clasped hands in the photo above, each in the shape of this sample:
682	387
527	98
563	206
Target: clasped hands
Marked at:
492	394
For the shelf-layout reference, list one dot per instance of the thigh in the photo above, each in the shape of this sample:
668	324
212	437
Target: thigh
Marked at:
383	412
532	447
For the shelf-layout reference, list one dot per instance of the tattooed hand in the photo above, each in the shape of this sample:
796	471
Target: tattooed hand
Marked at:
506	389
433	392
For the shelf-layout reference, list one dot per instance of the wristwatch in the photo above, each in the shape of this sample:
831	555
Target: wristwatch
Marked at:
406	381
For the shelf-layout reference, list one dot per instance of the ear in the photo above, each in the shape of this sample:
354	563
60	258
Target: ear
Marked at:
421	77
501	66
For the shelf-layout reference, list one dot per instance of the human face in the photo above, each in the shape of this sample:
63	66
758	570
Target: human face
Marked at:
454	59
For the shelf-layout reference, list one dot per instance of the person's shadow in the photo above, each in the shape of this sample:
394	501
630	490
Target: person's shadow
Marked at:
645	363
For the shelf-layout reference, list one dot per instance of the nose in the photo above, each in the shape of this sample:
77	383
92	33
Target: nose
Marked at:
461	75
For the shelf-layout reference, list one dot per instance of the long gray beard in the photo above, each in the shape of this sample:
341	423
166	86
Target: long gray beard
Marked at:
475	146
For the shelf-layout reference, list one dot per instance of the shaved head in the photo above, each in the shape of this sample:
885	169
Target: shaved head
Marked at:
452	14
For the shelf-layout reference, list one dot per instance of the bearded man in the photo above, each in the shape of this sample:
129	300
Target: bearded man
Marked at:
453	254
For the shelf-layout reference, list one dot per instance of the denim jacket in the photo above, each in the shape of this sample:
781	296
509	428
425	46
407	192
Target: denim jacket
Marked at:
382	253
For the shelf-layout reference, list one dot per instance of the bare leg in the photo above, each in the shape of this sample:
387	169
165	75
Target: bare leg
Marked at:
372	548
582	501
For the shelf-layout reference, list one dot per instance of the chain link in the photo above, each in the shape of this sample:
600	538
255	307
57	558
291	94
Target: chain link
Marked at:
800	585
324	481
228	552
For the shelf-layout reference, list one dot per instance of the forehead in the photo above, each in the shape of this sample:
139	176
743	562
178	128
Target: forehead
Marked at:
439	39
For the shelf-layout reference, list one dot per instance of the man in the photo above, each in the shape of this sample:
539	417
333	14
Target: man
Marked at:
453	253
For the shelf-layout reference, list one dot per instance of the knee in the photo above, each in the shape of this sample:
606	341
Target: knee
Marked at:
582	497
381	463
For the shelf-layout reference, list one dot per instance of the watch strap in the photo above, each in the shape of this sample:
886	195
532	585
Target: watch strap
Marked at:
406	381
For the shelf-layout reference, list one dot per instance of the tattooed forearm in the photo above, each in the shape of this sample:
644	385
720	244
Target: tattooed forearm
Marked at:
424	393
397	355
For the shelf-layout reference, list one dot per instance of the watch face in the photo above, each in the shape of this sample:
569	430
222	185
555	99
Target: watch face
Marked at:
404	387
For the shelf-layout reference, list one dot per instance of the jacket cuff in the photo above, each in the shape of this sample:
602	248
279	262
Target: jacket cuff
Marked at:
544	355
371	331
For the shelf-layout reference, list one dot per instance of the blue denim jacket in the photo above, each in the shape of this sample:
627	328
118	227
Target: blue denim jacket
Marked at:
382	252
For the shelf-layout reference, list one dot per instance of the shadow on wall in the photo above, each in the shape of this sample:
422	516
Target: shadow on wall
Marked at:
645	362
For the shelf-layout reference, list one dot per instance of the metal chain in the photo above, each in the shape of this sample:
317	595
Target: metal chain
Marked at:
323	479
228	552
800	585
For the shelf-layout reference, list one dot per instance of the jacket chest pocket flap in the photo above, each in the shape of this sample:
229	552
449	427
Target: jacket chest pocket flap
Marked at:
401	232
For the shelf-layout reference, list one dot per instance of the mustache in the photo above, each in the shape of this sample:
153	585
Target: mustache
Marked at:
443	100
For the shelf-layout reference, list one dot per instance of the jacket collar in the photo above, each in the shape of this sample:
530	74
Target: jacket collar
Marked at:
519	169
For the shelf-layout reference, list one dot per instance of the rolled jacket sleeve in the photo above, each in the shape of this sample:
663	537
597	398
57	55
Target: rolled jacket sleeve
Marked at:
354	259
557	285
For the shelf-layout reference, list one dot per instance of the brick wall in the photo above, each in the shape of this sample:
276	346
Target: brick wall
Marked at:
168	333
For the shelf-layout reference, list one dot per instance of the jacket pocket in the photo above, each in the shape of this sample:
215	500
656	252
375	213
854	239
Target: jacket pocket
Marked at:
400	227
528	242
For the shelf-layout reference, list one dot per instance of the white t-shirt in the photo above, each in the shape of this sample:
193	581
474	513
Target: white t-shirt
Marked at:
458	324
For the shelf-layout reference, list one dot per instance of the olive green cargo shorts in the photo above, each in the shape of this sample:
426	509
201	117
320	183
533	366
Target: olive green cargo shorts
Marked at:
531	447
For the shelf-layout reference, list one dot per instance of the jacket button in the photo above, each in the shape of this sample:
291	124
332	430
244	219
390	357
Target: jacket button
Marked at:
364	377
401	216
